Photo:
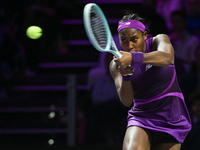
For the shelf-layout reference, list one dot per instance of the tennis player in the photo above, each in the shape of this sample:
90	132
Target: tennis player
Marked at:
158	119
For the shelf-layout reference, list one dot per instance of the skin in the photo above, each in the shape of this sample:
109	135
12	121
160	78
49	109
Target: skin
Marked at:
163	54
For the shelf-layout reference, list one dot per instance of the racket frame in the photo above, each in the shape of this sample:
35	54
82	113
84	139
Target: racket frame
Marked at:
88	29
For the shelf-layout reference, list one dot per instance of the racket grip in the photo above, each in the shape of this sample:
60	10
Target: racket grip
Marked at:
119	55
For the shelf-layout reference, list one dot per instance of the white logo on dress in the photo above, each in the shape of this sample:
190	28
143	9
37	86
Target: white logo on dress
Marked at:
148	66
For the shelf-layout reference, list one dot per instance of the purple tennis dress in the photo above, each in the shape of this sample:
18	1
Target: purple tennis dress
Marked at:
158	101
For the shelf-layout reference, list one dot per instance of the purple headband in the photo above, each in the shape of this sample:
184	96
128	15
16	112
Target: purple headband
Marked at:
131	24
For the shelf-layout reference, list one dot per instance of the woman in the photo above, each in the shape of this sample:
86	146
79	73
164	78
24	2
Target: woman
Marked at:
145	76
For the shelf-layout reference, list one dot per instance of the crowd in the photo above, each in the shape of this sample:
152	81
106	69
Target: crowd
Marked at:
19	55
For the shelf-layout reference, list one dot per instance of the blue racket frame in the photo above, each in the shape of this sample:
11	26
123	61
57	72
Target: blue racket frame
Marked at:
88	29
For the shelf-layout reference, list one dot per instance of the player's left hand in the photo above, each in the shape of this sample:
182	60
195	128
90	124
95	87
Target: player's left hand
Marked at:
125	71
124	63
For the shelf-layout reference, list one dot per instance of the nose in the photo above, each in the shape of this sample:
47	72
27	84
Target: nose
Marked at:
130	46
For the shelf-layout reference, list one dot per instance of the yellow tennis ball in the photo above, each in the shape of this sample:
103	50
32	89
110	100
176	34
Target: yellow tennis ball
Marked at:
34	32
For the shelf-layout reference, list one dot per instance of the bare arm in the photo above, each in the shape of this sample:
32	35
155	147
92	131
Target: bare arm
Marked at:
163	54
124	88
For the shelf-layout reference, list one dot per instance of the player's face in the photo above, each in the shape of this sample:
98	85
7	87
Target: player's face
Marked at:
132	40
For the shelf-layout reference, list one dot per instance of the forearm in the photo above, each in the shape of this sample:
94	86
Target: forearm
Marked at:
125	93
158	58
163	53
124	88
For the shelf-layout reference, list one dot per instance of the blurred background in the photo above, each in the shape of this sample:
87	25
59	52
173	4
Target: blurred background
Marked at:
56	91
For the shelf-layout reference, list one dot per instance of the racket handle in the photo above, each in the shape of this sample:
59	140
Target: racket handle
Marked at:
118	55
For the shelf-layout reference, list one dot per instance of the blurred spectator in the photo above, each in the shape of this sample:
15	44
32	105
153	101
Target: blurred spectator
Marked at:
105	115
193	17
95	75
194	98
64	9
43	14
12	50
184	44
192	142
166	7
12	53
197	66
194	74
153	21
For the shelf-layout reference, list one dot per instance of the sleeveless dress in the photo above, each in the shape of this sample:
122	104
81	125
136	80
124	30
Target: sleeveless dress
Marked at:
158	101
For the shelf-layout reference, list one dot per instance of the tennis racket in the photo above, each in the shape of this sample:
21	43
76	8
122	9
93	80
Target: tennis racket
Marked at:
98	30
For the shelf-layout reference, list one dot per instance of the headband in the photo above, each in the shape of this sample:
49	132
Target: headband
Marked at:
131	24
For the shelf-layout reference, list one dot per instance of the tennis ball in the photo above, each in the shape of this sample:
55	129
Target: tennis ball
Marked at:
34	32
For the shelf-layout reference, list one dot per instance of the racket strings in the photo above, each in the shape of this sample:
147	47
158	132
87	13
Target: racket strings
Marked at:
98	28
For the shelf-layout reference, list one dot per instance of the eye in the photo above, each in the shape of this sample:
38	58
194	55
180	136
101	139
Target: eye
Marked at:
134	39
123	40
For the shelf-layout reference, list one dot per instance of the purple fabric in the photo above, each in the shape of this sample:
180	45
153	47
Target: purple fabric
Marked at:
178	94
137	57
131	24
159	103
126	78
149	46
164	91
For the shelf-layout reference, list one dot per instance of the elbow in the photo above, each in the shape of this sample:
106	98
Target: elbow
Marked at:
170	56
169	60
127	103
